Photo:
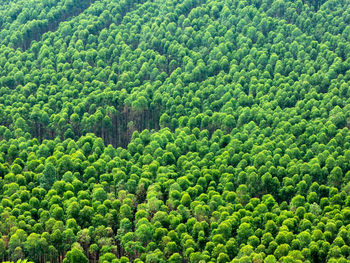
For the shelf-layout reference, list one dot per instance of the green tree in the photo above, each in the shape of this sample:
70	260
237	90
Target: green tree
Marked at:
48	177
75	255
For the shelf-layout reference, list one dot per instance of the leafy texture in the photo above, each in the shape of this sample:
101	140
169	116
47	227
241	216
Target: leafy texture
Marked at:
175	131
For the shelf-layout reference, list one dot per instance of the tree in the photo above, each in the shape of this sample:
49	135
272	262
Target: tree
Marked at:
144	232
335	177
48	177
33	246
186	200
175	258
2	249
281	251
164	120
244	231
75	255
243	194
223	258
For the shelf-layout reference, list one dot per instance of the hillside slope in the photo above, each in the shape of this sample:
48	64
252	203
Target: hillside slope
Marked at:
175	131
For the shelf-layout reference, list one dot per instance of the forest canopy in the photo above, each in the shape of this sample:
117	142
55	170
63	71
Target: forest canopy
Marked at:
174	131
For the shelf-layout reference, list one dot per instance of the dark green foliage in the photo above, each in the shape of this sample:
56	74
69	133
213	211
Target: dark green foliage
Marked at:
49	176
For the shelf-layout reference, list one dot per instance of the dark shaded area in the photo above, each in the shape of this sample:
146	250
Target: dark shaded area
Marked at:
36	28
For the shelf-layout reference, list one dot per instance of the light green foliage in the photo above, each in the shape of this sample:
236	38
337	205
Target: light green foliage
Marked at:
174	131
75	256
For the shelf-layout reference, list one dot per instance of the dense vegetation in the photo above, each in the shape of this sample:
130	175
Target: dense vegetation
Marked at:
175	131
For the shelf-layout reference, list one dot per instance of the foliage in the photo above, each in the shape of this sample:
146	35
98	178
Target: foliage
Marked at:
174	131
